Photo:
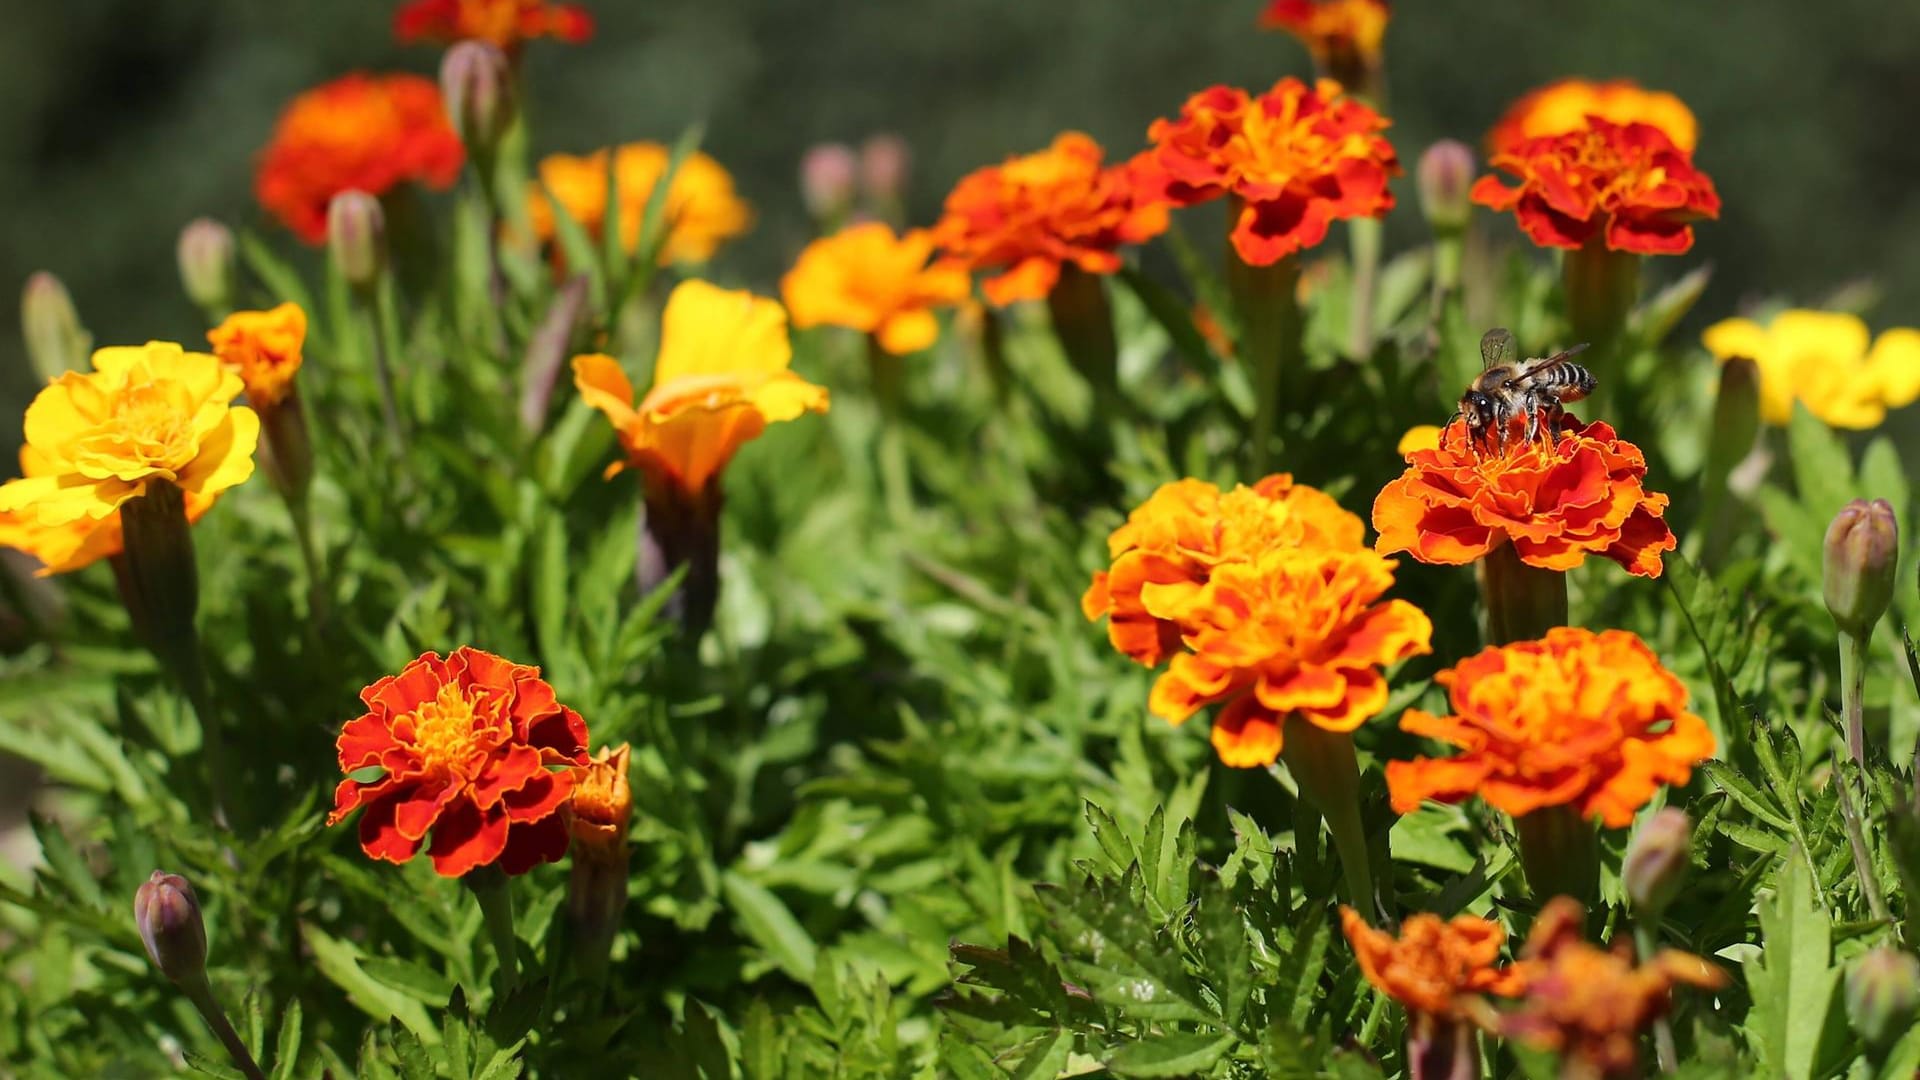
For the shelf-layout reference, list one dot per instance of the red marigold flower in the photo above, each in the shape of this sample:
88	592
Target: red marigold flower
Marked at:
465	745
504	23
1578	719
1297	158
1556	502
1589	1004
366	132
1437	967
1032	213
1567	105
1626	185
1338	33
1166	551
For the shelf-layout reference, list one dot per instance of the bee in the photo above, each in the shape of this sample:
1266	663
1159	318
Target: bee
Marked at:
1537	388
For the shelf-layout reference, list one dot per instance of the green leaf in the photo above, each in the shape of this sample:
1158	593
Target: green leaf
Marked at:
340	962
286	1048
1822	469
761	1043
1792	981
414	980
1047	1057
207	1066
505	1064
1729	780
1175	1054
1122	957
64	864
768	923
415	1064
1653	320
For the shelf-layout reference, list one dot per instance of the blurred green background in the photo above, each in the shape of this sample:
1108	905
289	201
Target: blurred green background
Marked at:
126	118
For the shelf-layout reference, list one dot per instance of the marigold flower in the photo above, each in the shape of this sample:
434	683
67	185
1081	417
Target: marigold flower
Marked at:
1031	214
77	544
1625	185
868	279
601	807
1567	105
366	132
1165	553
720	378
1419	437
503	23
1590	1004
1338	33
1578	719
1437	967
702	210
263	348
465	746
1827	361
1297	158
1556	502
145	413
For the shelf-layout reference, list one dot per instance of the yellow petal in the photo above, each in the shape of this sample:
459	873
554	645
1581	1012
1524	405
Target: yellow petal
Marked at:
786	396
909	332
226	454
709	330
1420	437
1895	365
1729	338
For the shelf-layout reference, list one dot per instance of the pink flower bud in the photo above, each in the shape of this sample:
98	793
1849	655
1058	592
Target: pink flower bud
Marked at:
1656	862
885	160
205	254
477	87
357	237
826	180
168	916
1883	995
56	342
1862	550
1445	174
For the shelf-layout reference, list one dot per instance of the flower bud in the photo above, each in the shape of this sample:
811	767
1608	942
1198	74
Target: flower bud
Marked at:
357	237
826	180
1656	863
1883	994
476	85
597	816
56	342
168	916
1446	174
884	162
1862	548
205	253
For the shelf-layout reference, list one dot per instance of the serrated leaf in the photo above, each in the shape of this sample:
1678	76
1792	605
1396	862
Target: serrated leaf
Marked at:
286	1048
1121	956
415	1064
1047	1057
1729	780
760	1043
340	961
1174	1054
1792	981
207	1066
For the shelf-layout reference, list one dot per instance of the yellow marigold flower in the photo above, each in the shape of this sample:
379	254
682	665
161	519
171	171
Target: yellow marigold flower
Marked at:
62	549
721	377
1826	361
145	413
702	210
868	279
263	348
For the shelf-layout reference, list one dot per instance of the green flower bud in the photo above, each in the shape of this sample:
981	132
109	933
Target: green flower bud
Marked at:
1883	994
205	253
357	237
1445	175
477	87
1656	863
1862	548
168	916
56	342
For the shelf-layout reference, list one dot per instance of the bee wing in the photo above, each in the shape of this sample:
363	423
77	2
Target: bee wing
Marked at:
1496	348
1529	368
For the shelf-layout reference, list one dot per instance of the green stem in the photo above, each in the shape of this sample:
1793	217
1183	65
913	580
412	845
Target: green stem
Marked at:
1601	287
1270	325
1664	1052
1324	765
1083	321
1853	692
379	310
492	889
302	519
1560	853
200	992
888	377
1363	244
1857	843
1521	602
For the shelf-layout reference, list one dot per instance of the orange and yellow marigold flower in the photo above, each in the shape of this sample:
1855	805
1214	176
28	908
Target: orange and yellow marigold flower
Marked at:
361	132
1295	159
701	213
263	348
1437	967
1588	721
601	807
1826	360
1342	35
1032	214
1556	501
1567	106
720	378
466	747
1591	1005
1626	186
145	414
72	545
504	23
866	278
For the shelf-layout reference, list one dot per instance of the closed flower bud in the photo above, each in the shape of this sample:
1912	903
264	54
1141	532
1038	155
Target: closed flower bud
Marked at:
168	916
1883	994
1862	547
827	173
205	252
597	816
477	88
56	342
1446	174
357	237
1656	862
884	162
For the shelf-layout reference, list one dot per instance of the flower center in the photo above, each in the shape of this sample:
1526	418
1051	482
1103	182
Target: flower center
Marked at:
149	425
449	730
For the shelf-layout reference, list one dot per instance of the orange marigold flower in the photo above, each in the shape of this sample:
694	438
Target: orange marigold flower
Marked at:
263	348
1436	967
1578	719
1032	213
1556	502
465	747
1590	1004
720	378
361	132
1625	185
1296	158
1564	106
866	278
601	808
504	23
1167	550
702	209
1299	632
1338	33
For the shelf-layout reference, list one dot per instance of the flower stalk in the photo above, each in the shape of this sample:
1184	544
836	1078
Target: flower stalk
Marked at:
1560	853
1441	1048
167	914
887	375
1083	321
1363	246
680	528
1270	325
1325	767
1520	602
494	893
1601	287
